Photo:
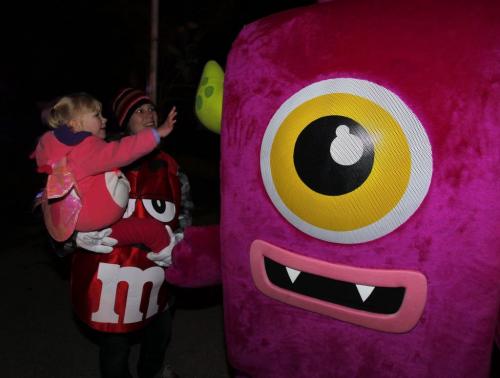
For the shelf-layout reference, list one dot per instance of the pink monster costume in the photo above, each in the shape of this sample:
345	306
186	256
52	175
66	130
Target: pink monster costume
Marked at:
360	177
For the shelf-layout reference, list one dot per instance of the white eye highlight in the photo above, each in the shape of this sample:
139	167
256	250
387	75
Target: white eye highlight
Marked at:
346	149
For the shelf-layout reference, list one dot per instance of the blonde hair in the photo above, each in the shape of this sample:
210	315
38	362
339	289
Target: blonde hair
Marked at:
70	106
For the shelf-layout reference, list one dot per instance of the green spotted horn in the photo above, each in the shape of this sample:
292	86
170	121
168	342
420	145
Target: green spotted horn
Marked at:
209	96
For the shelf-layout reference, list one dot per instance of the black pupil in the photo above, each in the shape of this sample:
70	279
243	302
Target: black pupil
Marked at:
314	162
159	206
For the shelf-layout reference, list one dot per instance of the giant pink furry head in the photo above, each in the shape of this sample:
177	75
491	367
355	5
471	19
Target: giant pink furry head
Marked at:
323	277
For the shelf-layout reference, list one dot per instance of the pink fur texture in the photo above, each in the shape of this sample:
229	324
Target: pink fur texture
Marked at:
442	59
196	259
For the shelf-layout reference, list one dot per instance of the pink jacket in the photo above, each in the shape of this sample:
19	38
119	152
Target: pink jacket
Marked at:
102	188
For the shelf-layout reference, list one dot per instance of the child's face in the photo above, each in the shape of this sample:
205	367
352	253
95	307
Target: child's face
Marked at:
143	117
92	122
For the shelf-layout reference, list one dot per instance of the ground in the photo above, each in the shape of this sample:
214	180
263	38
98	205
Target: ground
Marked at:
41	339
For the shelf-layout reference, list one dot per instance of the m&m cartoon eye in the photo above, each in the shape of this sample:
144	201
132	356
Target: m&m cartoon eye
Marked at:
162	210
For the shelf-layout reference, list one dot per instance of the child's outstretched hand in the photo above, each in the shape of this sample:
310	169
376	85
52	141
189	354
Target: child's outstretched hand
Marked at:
167	126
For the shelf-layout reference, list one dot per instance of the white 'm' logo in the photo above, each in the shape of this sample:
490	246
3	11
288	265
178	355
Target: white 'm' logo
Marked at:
110	275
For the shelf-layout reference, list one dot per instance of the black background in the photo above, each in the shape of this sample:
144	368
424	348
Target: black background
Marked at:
54	47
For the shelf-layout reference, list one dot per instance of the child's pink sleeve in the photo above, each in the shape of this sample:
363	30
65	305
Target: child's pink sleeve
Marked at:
94	155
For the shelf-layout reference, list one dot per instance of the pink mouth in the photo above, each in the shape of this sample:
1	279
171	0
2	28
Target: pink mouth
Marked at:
384	300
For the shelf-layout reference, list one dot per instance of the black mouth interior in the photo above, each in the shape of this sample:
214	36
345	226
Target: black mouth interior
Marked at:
383	300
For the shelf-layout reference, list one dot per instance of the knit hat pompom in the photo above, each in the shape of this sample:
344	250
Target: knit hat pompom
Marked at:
126	102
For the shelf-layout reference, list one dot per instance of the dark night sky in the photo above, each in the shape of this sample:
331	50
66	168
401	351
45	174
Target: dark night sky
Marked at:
54	47
60	46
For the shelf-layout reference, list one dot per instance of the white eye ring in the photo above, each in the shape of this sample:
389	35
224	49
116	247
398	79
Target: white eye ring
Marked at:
162	210
130	208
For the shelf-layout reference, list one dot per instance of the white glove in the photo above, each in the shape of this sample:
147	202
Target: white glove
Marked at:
164	257
96	241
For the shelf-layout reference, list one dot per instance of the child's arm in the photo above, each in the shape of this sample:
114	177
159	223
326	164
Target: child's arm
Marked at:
97	156
167	126
94	155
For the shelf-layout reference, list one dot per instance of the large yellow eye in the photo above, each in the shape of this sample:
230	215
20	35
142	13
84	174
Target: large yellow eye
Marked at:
345	160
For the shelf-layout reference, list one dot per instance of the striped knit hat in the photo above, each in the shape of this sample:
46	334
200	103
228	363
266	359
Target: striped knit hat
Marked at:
126	102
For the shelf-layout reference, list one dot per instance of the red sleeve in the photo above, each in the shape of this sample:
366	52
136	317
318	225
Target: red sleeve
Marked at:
147	231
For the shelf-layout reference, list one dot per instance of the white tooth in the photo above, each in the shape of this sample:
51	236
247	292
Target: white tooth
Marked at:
364	291
292	273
